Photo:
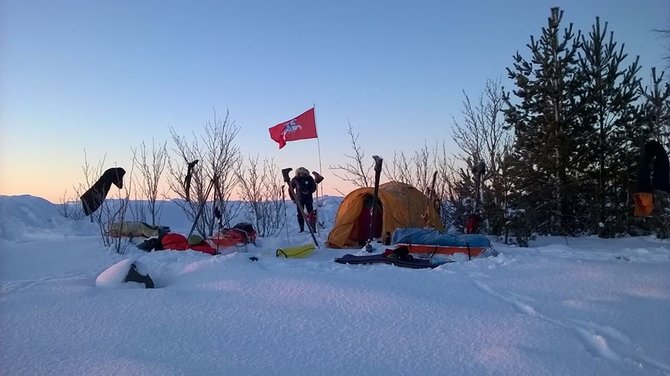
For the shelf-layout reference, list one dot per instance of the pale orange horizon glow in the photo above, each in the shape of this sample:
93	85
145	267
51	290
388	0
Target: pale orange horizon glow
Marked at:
57	188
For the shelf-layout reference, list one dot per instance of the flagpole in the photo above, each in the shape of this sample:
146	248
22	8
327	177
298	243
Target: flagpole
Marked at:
318	143
318	146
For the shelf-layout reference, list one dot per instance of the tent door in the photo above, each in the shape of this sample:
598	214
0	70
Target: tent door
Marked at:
364	219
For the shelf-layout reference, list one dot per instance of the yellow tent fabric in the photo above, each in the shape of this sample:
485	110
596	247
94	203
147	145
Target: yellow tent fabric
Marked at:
403	206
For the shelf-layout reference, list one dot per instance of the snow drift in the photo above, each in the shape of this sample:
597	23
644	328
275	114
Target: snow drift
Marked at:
564	306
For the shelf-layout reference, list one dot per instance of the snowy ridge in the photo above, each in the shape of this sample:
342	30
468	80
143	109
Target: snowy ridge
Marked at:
28	217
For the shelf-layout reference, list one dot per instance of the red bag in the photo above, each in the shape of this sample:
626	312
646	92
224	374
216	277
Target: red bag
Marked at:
178	242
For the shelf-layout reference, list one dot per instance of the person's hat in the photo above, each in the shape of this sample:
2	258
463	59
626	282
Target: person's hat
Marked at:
301	171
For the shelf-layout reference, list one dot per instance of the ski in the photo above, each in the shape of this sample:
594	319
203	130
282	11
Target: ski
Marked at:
292	193
382	259
378	170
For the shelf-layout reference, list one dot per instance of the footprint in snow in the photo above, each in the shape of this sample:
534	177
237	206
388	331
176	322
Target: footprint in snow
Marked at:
597	345
520	306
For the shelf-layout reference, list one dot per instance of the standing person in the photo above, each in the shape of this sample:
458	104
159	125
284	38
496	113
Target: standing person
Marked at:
304	185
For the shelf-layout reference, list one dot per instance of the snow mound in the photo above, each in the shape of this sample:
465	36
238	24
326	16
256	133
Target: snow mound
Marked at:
24	218
115	275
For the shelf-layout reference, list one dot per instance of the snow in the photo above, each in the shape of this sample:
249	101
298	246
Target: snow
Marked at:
564	306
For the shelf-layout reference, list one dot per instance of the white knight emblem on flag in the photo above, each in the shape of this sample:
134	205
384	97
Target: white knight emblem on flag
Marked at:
291	127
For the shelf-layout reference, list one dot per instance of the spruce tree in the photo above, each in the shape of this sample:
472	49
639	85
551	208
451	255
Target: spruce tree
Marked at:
609	105
546	127
656	109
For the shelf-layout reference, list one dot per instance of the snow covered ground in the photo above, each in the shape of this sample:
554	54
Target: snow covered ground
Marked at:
576	306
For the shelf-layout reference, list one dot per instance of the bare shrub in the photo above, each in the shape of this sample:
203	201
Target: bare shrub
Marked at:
482	137
113	208
150	164
218	157
261	191
70	206
415	171
355	171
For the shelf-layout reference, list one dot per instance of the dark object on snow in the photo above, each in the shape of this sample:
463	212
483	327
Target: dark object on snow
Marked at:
152	244
398	257
246	227
135	276
93	198
401	253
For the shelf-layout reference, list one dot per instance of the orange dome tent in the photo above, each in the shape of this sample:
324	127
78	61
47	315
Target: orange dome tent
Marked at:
401	205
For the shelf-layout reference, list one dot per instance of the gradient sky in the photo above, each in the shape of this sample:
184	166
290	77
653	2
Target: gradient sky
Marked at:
102	76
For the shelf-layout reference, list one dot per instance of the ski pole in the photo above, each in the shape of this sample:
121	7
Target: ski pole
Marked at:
373	211
283	198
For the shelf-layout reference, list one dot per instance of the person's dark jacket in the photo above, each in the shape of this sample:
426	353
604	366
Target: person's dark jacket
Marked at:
654	169
304	186
93	198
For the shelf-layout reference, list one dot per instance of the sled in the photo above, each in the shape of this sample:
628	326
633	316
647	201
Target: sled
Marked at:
425	241
443	249
296	252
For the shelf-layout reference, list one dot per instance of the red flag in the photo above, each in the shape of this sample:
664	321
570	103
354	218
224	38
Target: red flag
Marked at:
301	127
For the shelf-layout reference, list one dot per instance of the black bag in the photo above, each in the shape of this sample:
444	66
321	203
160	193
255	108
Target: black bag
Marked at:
153	244
245	226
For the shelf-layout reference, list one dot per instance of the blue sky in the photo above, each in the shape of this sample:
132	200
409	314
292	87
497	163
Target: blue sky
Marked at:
105	75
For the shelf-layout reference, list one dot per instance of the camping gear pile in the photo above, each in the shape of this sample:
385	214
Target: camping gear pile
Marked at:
240	235
412	218
406	219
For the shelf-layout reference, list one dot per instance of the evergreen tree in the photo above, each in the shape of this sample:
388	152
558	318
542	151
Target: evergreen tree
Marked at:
609	105
656	110
546	124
